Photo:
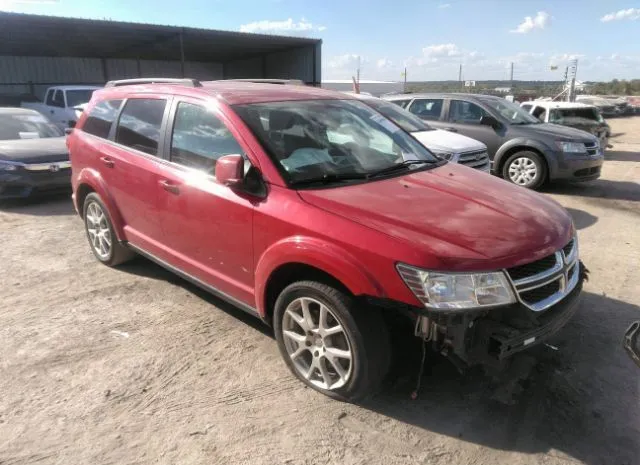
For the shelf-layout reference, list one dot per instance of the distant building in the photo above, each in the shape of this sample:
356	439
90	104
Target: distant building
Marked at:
503	90
375	88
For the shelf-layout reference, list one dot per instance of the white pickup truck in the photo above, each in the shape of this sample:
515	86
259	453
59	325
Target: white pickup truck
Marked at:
59	103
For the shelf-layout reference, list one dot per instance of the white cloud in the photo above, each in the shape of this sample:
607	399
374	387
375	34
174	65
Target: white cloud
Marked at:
287	26
348	60
442	6
17	3
384	63
630	13
541	20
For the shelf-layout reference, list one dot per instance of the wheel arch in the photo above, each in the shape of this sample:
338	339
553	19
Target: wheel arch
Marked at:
504	154
298	259
90	181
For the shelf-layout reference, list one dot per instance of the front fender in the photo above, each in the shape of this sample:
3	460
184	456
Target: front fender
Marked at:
94	180
317	253
523	143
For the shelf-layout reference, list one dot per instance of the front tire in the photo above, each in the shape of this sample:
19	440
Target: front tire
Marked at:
102	239
526	169
328	343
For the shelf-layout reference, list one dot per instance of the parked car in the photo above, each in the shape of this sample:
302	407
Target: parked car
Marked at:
606	107
573	114
33	154
59	103
241	189
522	149
455	148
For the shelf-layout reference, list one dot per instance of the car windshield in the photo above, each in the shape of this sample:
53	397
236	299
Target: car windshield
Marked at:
14	126
332	140
398	115
78	96
511	112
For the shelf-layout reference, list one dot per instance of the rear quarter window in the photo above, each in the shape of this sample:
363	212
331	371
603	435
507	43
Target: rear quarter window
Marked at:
101	117
140	123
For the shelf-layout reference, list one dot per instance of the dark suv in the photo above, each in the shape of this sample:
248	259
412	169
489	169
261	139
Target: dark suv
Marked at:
522	149
309	209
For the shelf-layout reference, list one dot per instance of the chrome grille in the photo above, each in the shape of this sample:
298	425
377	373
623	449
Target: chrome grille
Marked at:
543	283
477	159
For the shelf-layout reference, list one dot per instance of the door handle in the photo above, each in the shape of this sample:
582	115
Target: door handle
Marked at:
108	162
170	187
450	129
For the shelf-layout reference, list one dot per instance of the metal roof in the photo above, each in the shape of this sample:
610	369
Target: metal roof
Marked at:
34	35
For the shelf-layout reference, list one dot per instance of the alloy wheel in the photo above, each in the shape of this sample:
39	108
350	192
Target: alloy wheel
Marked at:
98	230
317	343
523	171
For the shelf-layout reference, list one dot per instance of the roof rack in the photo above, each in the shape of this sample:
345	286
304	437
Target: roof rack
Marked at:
290	82
131	82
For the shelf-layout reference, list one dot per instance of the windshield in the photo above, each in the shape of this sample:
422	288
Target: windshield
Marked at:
78	96
331	140
401	117
511	112
26	126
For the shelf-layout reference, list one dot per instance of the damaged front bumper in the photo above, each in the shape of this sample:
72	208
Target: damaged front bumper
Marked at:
490	337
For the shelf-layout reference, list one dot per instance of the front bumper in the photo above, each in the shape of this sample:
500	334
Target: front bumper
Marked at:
576	168
23	183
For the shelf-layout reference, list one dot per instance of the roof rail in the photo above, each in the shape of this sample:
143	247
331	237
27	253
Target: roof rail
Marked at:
290	82
131	82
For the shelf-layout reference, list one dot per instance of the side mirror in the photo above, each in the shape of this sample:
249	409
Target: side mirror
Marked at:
488	120
230	170
632	342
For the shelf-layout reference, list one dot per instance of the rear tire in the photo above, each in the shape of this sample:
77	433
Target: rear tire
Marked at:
526	169
100	233
329	343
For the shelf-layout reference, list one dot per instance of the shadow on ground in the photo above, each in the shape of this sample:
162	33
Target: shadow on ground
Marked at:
621	155
581	218
41	205
600	188
140	266
582	400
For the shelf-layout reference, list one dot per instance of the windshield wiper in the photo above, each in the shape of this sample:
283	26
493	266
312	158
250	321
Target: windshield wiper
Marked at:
329	178
397	166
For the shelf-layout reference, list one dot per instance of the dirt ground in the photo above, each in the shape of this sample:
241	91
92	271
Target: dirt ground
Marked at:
135	366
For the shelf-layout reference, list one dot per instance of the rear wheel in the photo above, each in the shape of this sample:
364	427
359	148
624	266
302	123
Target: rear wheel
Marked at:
102	239
526	169
331	345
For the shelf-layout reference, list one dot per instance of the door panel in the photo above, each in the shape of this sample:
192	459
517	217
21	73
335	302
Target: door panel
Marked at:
131	169
208	226
464	117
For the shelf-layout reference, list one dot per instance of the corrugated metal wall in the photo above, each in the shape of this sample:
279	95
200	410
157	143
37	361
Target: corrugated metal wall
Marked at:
24	75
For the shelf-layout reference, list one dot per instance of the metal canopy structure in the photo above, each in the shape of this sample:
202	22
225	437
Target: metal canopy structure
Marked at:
237	55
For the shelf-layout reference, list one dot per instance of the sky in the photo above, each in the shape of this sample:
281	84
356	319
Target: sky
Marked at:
431	38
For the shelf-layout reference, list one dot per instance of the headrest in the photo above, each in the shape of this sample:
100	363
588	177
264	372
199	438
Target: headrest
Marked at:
280	120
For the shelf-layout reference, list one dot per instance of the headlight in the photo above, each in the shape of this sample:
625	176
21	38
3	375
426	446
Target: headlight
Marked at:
8	166
572	147
456	291
445	155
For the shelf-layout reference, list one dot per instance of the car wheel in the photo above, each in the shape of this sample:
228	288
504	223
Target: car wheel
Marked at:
329	343
525	169
103	241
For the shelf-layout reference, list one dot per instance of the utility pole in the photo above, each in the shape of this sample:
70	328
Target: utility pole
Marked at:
358	71
405	78
572	72
460	77
511	78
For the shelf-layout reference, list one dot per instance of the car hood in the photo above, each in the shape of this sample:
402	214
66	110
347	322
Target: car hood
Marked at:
556	130
44	150
466	219
439	140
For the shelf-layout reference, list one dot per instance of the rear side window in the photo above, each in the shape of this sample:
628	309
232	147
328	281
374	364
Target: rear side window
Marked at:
526	107
57	100
101	117
465	112
199	138
402	103
427	108
139	124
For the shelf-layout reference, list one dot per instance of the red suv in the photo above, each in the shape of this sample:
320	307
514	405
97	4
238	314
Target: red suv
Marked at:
312	211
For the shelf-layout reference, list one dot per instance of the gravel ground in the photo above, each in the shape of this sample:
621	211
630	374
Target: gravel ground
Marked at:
103	366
